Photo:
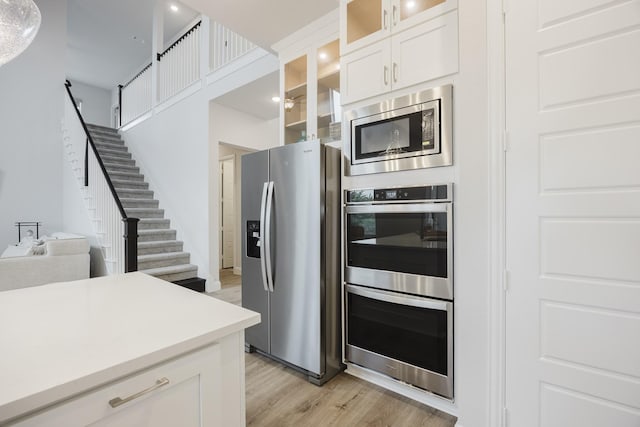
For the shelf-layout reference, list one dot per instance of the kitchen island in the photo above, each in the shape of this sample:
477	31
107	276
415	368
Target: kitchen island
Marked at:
121	350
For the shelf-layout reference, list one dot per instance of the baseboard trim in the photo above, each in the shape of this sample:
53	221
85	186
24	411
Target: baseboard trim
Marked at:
237	271
403	389
212	285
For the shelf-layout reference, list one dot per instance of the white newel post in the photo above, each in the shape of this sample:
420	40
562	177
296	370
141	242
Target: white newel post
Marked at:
205	29
157	46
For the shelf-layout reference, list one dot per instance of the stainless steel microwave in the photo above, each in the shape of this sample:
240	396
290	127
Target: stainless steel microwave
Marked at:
409	132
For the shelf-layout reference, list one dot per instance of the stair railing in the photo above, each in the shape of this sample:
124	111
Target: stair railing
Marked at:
134	97
178	67
179	64
225	46
117	232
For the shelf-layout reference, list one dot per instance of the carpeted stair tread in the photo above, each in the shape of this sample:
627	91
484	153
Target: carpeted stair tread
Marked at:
127	176
134	193
153	224
155	235
173	272
110	145
160	246
118	160
124	184
163	259
113	153
145	213
138	203
99	133
121	168
101	127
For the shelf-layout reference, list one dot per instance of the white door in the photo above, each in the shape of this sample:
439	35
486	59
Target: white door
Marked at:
573	213
227	212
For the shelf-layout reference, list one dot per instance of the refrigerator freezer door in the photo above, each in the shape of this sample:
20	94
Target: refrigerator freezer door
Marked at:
296	298
255	172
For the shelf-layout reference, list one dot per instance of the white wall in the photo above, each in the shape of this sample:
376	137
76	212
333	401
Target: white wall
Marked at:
96	103
171	148
244	132
469	174
31	110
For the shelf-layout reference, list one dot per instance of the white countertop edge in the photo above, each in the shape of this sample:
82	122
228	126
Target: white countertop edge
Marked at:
26	406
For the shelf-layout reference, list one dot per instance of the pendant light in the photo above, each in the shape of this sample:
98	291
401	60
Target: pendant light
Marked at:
19	24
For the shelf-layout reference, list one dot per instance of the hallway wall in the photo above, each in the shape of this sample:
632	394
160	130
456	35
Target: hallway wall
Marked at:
31	111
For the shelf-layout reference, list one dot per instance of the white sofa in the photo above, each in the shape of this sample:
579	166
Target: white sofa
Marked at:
63	260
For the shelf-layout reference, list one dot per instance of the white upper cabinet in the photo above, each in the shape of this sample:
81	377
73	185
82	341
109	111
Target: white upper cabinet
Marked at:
363	22
392	44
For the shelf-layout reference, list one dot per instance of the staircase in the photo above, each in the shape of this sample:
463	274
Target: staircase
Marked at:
159	253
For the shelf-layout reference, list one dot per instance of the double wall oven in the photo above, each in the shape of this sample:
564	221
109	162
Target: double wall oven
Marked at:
399	284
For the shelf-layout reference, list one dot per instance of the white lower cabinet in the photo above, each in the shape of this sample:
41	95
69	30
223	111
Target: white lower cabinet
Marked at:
425	52
199	389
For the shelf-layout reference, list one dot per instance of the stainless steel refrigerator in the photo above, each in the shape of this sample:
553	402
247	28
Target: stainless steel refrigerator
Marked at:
291	255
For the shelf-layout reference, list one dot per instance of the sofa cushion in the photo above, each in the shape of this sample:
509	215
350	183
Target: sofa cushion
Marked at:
67	247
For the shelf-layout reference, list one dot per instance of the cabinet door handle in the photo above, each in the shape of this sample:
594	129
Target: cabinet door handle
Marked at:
386	75
395	15
385	18
117	401
395	72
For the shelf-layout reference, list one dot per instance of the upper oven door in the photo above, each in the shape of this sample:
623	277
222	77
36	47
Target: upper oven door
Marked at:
401	247
399	133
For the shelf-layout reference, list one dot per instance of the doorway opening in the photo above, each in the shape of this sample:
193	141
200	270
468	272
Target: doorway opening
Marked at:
230	208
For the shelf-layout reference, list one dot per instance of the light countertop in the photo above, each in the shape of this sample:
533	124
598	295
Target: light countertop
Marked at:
61	339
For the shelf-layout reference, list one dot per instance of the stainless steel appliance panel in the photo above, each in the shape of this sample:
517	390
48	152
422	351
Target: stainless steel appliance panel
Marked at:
395	162
380	261
413	339
332	261
296	303
255	173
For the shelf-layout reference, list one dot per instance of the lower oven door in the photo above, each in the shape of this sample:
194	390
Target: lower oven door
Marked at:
409	338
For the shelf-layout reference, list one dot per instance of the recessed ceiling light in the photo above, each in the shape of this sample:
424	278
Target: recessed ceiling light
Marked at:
411	4
173	8
275	99
322	55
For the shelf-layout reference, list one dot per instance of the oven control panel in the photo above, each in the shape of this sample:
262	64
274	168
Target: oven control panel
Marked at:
400	194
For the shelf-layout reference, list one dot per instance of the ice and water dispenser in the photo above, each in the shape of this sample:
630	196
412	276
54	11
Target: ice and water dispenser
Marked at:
253	239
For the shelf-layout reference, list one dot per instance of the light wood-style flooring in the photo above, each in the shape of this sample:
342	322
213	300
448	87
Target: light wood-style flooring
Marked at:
280	396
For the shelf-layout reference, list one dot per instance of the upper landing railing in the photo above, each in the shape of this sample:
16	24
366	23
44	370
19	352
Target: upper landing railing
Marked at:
178	67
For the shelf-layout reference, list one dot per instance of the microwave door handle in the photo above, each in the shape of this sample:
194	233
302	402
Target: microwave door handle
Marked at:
263	233
267	239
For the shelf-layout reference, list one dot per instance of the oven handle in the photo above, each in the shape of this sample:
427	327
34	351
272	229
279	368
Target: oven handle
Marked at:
398	208
396	298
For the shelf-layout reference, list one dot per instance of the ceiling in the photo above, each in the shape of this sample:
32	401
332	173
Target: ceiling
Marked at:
255	98
109	41
264	22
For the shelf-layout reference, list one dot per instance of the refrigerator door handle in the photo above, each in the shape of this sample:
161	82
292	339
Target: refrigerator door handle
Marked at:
267	234
263	228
